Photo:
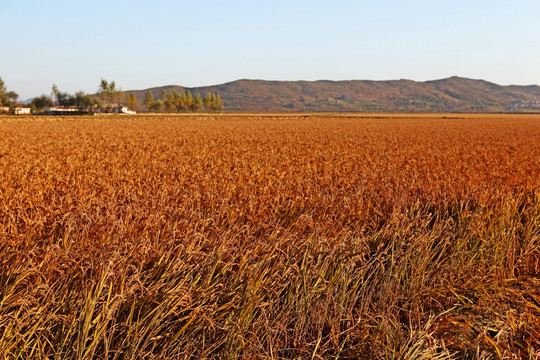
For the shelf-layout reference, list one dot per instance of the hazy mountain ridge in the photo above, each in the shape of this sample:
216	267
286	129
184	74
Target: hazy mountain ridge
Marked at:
451	94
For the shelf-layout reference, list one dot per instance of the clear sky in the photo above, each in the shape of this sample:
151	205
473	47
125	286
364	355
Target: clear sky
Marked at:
142	44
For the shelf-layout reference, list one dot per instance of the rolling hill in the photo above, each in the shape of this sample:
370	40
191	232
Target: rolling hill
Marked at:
453	94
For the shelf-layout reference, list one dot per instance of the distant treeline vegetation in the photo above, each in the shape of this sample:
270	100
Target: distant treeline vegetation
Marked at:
61	98
110	95
107	95
174	101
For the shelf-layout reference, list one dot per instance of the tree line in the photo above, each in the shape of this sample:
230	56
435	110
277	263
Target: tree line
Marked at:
109	94
174	101
62	98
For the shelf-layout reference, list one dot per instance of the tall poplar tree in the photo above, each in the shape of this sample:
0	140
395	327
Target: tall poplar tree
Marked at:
148	100
132	101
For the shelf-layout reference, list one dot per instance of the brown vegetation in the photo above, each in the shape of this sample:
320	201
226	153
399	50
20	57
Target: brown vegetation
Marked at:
269	237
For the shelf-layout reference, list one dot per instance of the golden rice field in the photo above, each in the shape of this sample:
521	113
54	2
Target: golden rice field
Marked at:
270	237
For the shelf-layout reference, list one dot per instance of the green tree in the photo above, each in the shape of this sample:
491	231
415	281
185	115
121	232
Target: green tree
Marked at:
110	93
212	102
218	104
114	93
132	102
103	90
157	106
182	102
83	101
148	100
61	97
7	98
208	101
188	99
170	101
119	96
41	102
197	103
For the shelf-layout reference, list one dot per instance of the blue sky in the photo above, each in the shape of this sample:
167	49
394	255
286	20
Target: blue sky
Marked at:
142	44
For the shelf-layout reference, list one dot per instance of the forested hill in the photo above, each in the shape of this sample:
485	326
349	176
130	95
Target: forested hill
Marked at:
453	94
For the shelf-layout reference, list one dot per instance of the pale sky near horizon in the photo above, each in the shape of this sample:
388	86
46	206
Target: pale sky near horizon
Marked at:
142	44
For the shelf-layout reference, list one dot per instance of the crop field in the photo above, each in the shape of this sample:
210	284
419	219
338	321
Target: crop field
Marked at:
270	237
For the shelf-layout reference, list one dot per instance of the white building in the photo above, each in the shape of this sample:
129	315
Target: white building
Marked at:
115	110
17	110
20	110
61	110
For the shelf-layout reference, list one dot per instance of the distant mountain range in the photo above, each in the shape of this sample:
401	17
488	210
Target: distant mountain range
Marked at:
453	94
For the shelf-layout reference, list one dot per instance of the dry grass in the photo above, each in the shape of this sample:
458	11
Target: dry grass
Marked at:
270	237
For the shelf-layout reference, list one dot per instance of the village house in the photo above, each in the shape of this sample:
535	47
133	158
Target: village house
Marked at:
63	110
22	110
19	109
114	110
75	110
